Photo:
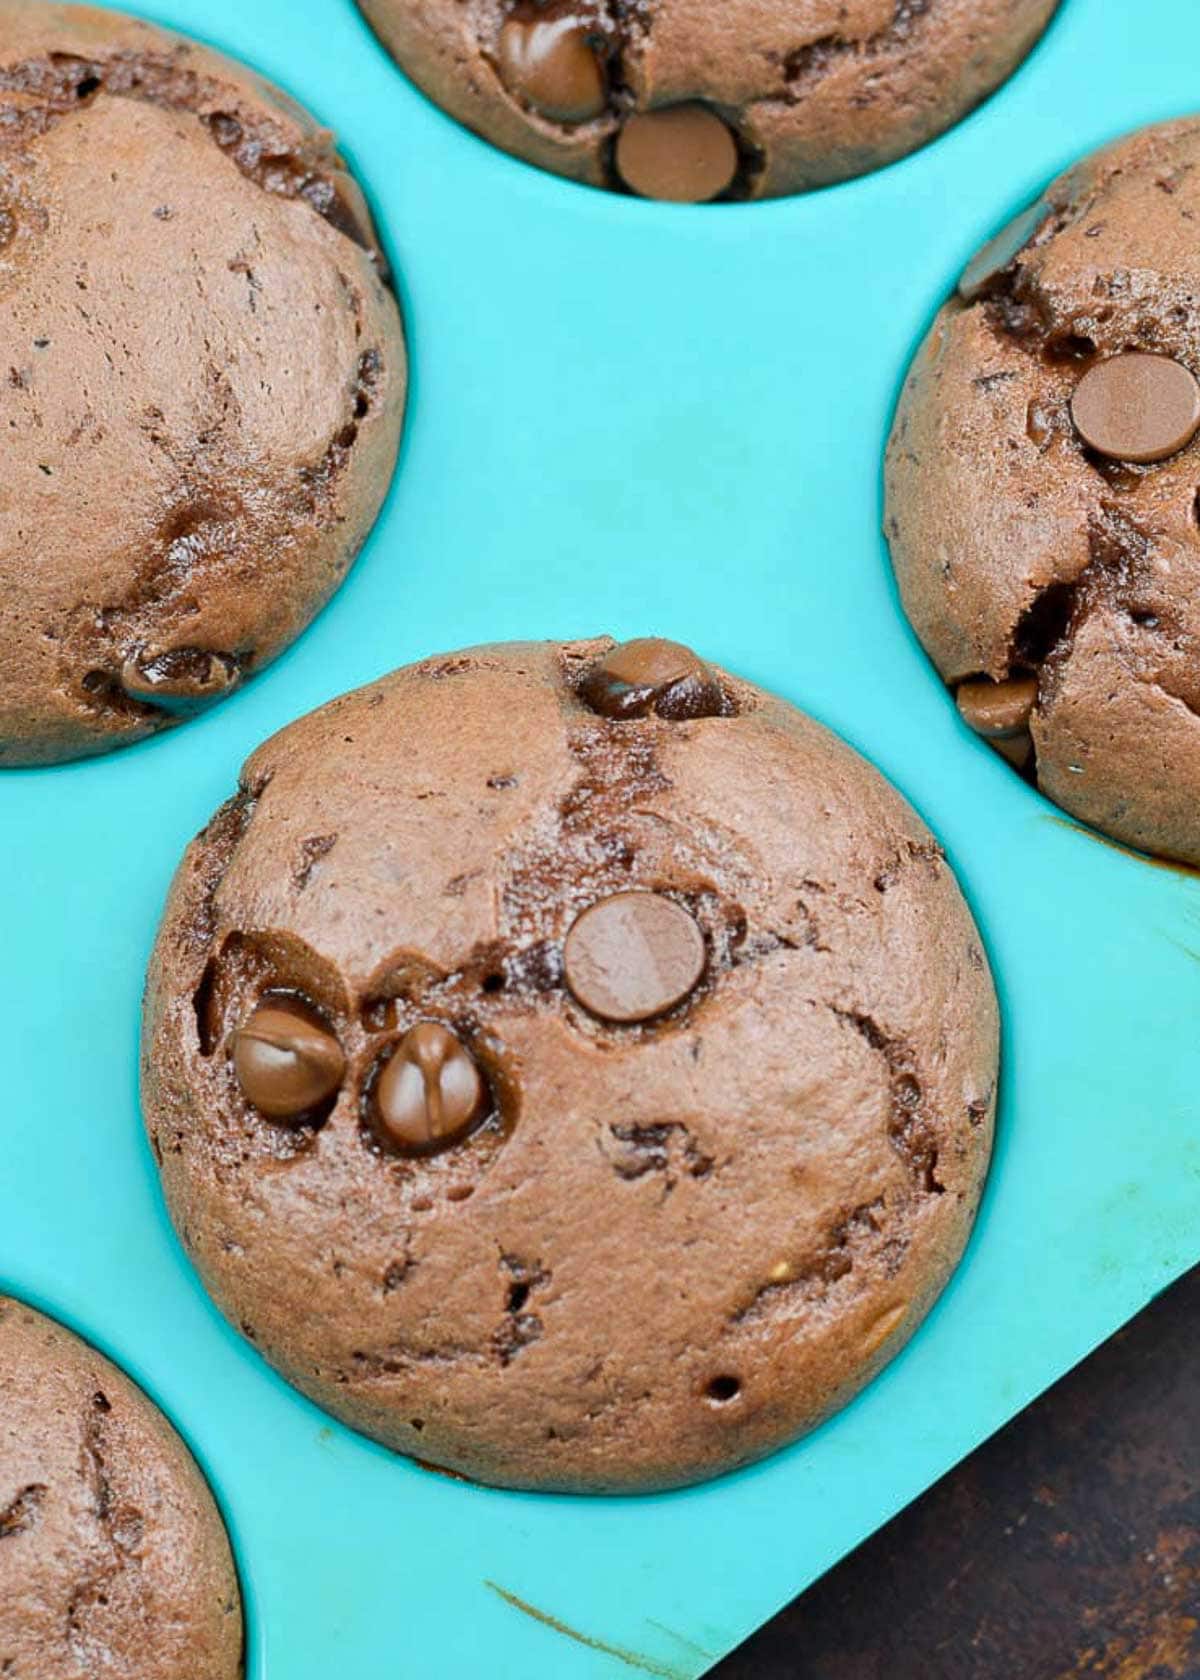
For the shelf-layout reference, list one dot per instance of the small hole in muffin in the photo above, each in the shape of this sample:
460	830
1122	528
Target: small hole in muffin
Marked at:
347	437
379	1014
721	1390
88	86
208	1023
101	1402
517	1297
1196	507
362	406
1045	624
1070	347
493	982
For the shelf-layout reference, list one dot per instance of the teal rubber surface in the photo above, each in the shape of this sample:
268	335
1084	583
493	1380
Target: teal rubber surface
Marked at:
631	418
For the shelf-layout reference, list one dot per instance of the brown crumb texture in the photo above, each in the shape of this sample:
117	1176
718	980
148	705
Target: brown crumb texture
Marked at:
113	1557
666	1247
1019	550
813	93
193	474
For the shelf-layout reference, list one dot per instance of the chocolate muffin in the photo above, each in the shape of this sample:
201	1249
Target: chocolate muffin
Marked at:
690	101
1041	492
113	1558
205	377
570	1065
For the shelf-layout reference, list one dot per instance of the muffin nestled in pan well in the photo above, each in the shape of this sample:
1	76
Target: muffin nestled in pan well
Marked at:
113	1557
570	1065
693	100
204	377
1042	484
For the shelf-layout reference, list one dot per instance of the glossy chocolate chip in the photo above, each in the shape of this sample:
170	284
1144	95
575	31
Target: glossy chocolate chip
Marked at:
681	153
552	64
999	254
652	675
181	680
287	1062
633	956
1137	407
430	1093
999	711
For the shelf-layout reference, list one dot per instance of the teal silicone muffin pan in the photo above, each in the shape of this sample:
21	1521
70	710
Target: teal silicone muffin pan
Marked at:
632	418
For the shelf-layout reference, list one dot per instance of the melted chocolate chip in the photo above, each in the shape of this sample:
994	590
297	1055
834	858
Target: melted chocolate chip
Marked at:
653	675
181	680
287	1061
551	63
430	1093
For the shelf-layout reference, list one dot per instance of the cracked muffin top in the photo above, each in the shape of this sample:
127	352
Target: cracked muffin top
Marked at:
1042	492
204	375
691	101
113	1558
570	1065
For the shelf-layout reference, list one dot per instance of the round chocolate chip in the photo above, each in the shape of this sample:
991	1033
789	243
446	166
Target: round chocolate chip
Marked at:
1137	407
287	1062
999	254
999	711
681	153
551	63
430	1093
633	956
652	675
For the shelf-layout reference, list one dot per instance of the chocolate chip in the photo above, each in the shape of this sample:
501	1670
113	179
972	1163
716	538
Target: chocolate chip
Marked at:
999	254
633	956
286	1060
681	153
430	1093
652	675
551	63
180	680
1137	407
999	711
1017	749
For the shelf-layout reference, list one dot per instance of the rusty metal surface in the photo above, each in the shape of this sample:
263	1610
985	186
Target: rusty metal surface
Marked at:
1066	1548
